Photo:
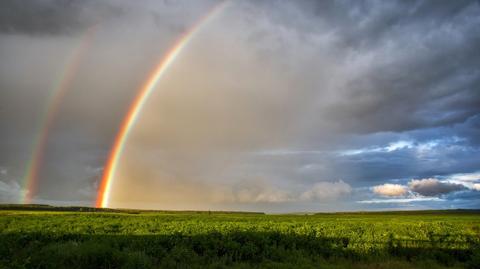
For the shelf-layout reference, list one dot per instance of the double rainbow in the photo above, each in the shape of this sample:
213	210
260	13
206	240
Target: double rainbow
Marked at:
61	88
140	100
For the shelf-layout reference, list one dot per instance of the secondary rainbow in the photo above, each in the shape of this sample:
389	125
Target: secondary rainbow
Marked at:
61	87
141	98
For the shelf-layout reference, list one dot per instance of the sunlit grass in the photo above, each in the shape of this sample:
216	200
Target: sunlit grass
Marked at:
43	239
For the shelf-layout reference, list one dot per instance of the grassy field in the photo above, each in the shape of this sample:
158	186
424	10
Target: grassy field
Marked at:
51	238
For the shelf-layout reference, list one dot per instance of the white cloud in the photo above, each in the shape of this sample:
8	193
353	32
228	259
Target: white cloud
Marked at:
326	191
476	186
401	201
10	192
398	145
466	177
390	190
420	149
401	144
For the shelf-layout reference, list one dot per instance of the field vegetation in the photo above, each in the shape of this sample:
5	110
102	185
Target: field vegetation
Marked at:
57	238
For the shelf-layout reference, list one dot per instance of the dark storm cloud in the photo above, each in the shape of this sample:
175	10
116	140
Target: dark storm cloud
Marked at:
367	23
419	60
53	17
428	78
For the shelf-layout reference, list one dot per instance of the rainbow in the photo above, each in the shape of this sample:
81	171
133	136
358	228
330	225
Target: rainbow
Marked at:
61	87
139	101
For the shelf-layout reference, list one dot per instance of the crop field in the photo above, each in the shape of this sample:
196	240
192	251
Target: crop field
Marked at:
141	239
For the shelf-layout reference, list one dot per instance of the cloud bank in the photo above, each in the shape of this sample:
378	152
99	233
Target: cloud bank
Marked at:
324	191
428	187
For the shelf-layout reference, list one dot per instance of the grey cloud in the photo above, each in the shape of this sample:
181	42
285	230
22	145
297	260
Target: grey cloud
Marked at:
325	191
69	17
420	72
433	187
470	130
89	190
53	17
257	192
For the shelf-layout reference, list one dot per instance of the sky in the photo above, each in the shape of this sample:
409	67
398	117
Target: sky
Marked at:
274	106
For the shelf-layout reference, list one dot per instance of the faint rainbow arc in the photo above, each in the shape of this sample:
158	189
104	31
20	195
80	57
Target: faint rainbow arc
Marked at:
62	85
139	101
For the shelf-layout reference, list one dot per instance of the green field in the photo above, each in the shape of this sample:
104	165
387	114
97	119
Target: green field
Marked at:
140	239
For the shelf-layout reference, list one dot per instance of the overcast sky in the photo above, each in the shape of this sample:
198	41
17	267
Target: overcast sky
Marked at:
274	106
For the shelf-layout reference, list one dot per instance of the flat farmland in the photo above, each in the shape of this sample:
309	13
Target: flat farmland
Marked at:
143	239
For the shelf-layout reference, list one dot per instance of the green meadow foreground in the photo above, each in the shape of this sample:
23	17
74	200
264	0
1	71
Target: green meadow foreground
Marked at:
142	239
